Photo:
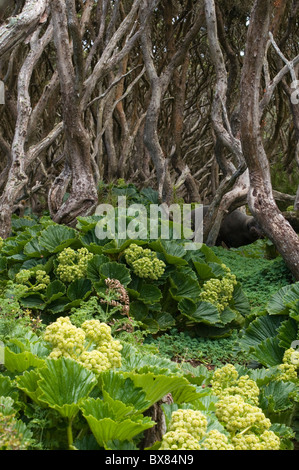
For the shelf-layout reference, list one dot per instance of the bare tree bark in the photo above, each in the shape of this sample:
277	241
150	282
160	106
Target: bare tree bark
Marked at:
159	85
17	177
83	195
22	25
261	201
224	134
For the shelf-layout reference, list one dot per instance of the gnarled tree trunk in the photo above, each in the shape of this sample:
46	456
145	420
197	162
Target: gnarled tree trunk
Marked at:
83	195
261	201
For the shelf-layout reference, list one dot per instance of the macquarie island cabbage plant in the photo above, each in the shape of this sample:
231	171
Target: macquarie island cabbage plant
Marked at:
104	405
60	267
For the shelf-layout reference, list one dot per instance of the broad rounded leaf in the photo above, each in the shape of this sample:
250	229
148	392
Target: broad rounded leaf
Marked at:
94	265
79	289
278	303
57	237
183	286
64	384
114	270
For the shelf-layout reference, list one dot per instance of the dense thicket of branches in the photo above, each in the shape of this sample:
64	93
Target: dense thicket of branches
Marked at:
158	92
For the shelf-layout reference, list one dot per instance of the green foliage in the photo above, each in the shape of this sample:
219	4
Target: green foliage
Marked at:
272	332
60	268
96	332
181	346
259	276
84	409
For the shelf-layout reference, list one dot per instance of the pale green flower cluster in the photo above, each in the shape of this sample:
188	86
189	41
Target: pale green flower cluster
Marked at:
91	345
192	421
226	381
288	370
73	264
1	243
250	441
186	428
36	280
216	440
144	262
238	416
239	413
219	292
247	424
179	440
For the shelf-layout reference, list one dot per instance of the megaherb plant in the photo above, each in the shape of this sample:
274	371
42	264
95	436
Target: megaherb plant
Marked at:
275	329
53	269
52	397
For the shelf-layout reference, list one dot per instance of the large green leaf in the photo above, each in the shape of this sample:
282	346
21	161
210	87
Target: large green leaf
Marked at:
201	312
123	389
157	386
276	402
275	396
278	303
6	387
28	382
55	290
147	293
79	289
164	320
59	305
203	270
114	270
183	286
239	301
19	362
34	250
287	333
85	224
259	330
57	237
105	424
64	385
268	352
173	252
94	266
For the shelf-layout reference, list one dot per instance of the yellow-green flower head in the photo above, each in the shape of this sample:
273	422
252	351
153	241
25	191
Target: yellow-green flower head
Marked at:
23	276
192	421
73	264
237	415
92	345
250	441
215	440
144	262
179	440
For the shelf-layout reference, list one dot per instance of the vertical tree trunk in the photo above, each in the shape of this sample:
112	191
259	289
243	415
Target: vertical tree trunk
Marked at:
83	195
261	201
